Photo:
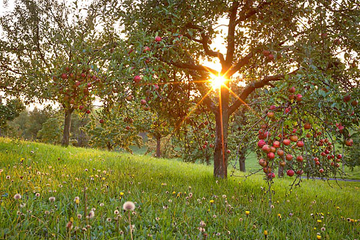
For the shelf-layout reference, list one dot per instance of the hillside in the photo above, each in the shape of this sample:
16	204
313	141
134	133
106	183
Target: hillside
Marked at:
173	200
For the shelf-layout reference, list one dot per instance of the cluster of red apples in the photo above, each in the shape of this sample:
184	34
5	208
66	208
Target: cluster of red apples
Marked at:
75	88
300	150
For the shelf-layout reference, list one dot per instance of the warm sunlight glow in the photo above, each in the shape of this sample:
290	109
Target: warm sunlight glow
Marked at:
217	81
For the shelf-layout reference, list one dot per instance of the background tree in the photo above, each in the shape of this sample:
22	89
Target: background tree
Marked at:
273	44
50	131
55	51
9	112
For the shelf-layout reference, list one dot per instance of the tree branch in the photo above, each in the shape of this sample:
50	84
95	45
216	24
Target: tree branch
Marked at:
245	15
204	41
231	35
254	85
242	62
191	66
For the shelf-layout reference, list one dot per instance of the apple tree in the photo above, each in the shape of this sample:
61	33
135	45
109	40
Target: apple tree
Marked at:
55	51
270	46
9	112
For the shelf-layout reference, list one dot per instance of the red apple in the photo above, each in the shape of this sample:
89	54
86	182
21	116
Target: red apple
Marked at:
299	158
339	156
228	151
157	39
88	111
271	155
300	143
271	175
280	152
64	76
262	162
272	107
307	126
276	144
81	107
270	57
349	142
354	103
137	79
298	97
101	121
266	148
290	172
299	172
294	138
286	142
288	109
292	89
270	114
211	145
146	49
347	98
289	157
143	101
261	143
321	170
266	52
282	163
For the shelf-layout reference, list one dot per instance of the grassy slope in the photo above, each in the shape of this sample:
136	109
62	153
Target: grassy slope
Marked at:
160	189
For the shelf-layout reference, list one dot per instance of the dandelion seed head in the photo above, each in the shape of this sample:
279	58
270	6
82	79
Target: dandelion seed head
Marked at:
17	196
129	206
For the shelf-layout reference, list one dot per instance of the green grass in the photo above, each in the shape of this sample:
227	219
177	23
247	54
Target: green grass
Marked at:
171	199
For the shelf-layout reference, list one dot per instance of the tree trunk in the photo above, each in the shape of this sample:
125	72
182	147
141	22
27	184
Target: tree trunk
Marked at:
158	146
281	171
67	125
221	130
242	158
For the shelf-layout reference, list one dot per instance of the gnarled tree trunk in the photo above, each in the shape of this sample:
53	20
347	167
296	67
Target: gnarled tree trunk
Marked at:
67	125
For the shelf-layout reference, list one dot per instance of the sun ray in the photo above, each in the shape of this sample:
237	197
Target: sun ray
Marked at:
242	101
222	128
187	115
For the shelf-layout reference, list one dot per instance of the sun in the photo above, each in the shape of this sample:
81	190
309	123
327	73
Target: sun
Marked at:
217	81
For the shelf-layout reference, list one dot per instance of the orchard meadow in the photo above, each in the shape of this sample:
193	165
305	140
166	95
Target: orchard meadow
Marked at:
246	113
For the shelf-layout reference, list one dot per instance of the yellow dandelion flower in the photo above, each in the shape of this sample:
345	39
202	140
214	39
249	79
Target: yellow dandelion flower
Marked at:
71	219
247	213
279	215
265	232
212	201
121	194
173	192
319	221
318	237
